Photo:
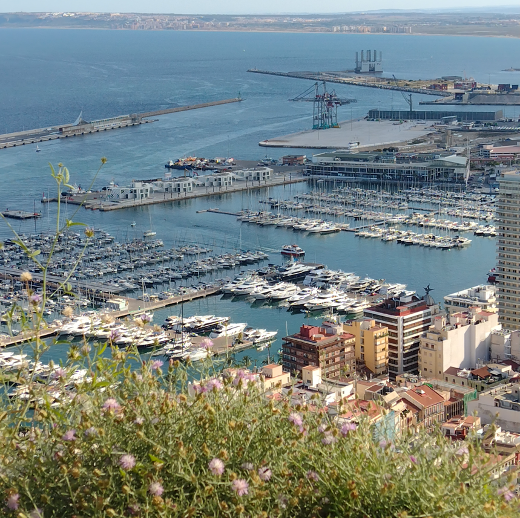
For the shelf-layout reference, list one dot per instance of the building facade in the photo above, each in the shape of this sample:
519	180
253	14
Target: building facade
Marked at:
508	250
460	342
483	297
326	347
407	317
371	344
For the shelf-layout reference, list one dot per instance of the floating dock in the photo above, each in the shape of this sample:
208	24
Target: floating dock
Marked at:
20	214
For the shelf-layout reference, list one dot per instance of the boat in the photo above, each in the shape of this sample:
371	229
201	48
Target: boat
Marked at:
133	224
37	149
292	251
227	330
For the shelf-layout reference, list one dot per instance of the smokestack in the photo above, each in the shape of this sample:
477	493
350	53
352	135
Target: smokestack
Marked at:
357	60
375	55
362	56
369	55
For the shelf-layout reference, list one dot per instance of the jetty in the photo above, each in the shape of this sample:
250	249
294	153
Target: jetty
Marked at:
134	307
20	214
81	127
367	81
97	201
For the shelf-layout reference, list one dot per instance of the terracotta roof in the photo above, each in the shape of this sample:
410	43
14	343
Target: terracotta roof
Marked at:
483	372
424	395
452	371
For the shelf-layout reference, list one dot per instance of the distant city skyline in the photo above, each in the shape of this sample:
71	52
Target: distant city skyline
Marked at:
237	7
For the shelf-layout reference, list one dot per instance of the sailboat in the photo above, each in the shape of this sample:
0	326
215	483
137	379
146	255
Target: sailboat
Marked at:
151	232
37	149
133	224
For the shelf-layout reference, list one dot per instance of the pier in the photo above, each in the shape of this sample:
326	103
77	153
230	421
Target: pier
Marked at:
81	127
96	201
20	214
134	307
368	81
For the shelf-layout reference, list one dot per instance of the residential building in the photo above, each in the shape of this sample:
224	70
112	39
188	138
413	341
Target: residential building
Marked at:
407	317
458	428
494	152
481	378
499	405
371	344
458	342
505	345
508	250
483	297
328	347
274	377
429	402
294	159
257	174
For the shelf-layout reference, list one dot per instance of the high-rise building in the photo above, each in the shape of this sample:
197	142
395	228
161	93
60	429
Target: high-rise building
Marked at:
371	344
407	317
508	250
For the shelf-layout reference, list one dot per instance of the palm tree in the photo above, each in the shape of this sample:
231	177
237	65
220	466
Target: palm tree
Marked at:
247	361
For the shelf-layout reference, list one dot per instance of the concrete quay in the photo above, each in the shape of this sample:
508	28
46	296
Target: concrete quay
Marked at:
94	202
356	135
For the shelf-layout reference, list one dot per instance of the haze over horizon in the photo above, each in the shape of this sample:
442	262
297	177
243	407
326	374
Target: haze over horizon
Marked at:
198	7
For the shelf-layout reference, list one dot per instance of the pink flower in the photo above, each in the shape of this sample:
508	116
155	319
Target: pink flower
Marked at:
115	334
295	419
247	466
35	299
206	344
265	473
462	450
347	428
111	405
138	421
216	467
133	509
127	461
322	428
240	486
36	513
214	383
155	489
69	436
312	476
506	493
328	439
145	318
59	373
156	364
413	458
90	431
12	501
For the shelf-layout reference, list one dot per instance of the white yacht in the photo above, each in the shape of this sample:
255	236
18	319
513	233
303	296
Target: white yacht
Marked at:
229	330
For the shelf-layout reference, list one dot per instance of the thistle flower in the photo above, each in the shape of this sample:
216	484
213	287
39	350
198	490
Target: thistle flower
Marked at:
111	405
247	466
206	344
295	419
216	466
463	450
240	486
36	513
59	373
214	383
67	312
145	318
115	334
69	435
328	439
506	493
347	428
155	489
138	421
12	501
312	476
156	364
264	473
133	509
26	277
35	299
89	232
89	432
127	461
413	458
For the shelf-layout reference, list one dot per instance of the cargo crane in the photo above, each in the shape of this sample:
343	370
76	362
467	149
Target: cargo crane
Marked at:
325	109
407	98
